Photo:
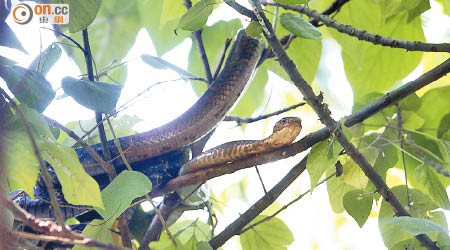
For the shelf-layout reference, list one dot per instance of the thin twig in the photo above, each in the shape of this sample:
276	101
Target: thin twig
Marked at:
222	57
240	120
401	141
261	180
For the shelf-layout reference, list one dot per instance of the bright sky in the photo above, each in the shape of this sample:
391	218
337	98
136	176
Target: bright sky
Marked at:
311	220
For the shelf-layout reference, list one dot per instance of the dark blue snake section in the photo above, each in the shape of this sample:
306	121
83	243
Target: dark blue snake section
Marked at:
158	169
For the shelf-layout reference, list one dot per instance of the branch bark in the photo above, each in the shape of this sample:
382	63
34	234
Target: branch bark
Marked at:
364	35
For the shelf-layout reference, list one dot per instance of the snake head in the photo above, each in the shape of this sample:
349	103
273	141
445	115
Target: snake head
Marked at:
286	130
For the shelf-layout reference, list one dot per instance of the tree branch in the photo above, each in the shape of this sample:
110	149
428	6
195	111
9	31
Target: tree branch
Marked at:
324	114
98	116
364	35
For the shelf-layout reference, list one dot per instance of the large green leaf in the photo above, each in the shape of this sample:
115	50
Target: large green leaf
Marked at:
98	96
111	35
353	175
195	17
319	160
28	86
426	177
82	13
8	38
78	187
358	204
374	68
420	205
117	196
299	26
336	192
272	234
160	18
435	105
98	230
45	60
414	226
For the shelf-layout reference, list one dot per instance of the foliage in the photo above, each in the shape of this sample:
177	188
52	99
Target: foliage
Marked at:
415	141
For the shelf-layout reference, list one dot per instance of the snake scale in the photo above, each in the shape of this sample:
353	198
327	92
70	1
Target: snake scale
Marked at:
156	145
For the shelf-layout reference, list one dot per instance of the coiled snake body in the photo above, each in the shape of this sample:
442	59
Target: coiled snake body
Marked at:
194	123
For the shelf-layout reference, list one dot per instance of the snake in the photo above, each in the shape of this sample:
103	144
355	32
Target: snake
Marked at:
158	145
284	132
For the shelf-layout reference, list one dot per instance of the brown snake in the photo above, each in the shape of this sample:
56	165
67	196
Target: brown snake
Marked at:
284	132
203	116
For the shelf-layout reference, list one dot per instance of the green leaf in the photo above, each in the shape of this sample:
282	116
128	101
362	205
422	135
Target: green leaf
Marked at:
98	230
411	120
195	18
358	204
186	230
159	63
111	35
82	13
117	196
204	245
291	2
160	18
412	102
305	53
369	67
272	234
318	161
393	8
254	29
420	205
28	86
45	61
432	186
353	175
6	61
299	26
78	187
414	226
435	105
22	166
98	96
423	6
336	191
8	38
